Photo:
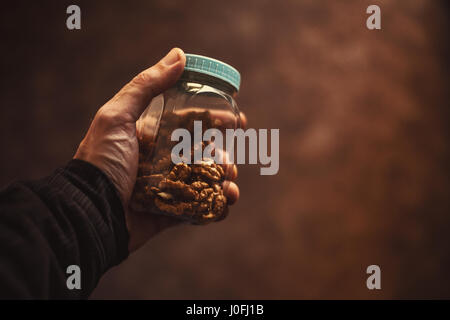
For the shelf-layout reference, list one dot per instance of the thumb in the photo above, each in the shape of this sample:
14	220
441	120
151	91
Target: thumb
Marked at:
134	97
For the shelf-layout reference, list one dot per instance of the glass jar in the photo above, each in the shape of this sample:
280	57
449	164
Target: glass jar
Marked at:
190	188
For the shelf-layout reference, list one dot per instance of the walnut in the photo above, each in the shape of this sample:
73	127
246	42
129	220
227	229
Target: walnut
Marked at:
199	185
191	192
220	201
180	172
165	195
176	209
178	189
208	171
216	187
204	194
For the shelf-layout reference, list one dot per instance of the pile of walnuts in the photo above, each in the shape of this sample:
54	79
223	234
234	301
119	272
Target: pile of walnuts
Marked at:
191	192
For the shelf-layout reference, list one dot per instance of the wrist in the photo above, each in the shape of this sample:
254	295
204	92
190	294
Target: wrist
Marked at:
141	227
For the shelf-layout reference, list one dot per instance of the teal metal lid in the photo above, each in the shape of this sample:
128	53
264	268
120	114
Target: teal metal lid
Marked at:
213	68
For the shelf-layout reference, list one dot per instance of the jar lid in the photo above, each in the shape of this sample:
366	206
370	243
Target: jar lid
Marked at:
214	68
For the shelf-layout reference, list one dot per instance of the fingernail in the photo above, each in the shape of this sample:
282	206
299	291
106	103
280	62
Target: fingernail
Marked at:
235	172
172	57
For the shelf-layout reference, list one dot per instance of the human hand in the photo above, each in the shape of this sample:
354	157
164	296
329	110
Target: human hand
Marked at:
111	143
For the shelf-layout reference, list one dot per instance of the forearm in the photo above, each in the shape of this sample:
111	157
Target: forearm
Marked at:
73	217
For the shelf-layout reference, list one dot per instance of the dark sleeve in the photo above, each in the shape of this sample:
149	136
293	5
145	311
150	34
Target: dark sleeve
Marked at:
73	217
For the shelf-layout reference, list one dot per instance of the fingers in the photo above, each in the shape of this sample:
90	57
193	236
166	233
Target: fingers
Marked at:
225	162
234	173
231	171
243	120
231	191
134	97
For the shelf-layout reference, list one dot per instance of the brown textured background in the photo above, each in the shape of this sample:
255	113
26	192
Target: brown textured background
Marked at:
364	126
